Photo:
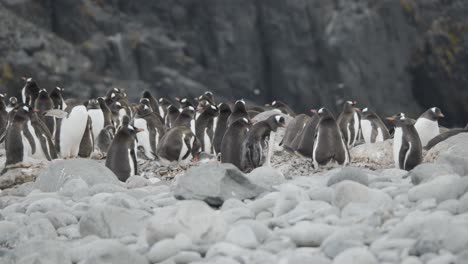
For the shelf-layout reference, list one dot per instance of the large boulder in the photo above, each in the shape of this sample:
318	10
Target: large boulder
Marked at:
60	172
347	192
105	251
215	183
453	151
377	155
21	173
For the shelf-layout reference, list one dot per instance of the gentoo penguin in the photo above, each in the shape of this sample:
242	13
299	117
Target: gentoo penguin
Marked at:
97	117
184	103
204	127
112	96
30	91
305	141
57	98
163	105
44	147
12	103
294	128
43	104
118	112
186	118
172	113
238	112
153	129
17	145
72	129
87	142
153	103
121	156
106	112
443	136
427	125
407	148
179	145
104	139
373	128
284	108
329	145
231	147
349	123
255	147
206	98
3	114
221	126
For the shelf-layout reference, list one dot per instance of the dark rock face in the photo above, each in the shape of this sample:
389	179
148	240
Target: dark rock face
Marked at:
391	55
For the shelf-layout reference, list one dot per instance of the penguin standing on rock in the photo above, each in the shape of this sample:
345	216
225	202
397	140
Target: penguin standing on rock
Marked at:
203	127
255	148
17	144
220	126
239	111
43	104
153	130
373	128
30	91
329	145
407	148
427	125
179	145
231	147
349	123
121	156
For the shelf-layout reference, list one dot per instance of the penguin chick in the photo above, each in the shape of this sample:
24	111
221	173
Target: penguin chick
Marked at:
255	147
121	156
407	148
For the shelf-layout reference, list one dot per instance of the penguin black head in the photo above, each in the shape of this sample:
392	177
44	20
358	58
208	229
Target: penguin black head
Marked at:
143	110
127	131
2	96
23	112
349	106
146	101
164	102
13	101
401	120
93	104
146	94
224	108
43	94
172	109
433	114
276	121
366	112
243	122
30	90
114	95
211	110
189	111
324	113
239	106
184	102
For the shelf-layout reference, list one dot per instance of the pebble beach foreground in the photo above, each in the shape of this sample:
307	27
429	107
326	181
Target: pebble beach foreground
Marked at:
76	211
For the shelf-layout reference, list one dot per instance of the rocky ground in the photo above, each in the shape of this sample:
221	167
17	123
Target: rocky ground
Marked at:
76	211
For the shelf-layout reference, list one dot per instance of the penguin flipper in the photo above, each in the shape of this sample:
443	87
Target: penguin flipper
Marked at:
57	113
189	147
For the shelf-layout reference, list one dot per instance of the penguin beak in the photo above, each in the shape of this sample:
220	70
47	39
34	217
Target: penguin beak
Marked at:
24	78
138	130
136	107
391	118
440	115
199	108
253	122
177	99
357	109
313	111
36	111
354	102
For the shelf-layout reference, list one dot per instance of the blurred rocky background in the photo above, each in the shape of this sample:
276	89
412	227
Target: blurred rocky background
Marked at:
391	55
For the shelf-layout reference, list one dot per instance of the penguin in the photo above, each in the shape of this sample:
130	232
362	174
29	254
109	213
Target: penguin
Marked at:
284	108
107	113
163	105
220	126
112	96
17	145
57	98
231	146
238	112
3	115
184	103
118	112
43	104
179	145
349	123
153	103
72	129
44	147
186	118
427	125
373	128
443	136
87	142
30	91
104	139
304	143
171	116
255	147
204	127
97	117
121	156
153	130
206	98
329	144
252	113
293	130
12	103
407	148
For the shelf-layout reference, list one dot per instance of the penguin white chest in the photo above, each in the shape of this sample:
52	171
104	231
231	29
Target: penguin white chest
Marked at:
131	164
27	150
161	112
356	127
72	131
379	137
397	142
366	127
97	119
39	154
122	113
192	126
427	129
206	141
144	137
